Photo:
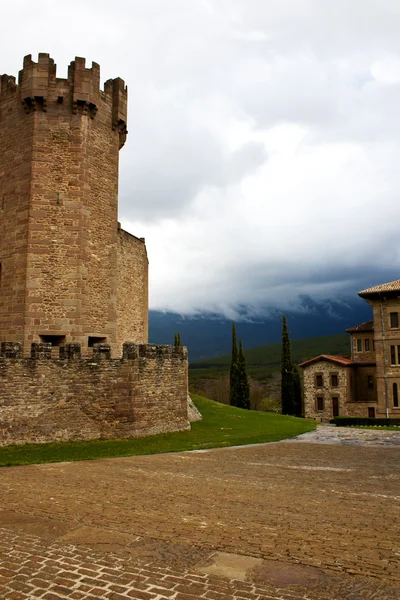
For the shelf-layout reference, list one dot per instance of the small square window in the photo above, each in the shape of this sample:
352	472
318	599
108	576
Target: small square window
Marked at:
359	345
320	403
394	320
334	380
319	381
366	345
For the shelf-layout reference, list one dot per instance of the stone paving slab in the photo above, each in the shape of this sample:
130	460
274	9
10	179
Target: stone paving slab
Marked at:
351	436
322	522
30	570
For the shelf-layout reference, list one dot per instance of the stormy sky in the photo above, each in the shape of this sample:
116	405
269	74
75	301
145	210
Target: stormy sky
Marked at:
262	162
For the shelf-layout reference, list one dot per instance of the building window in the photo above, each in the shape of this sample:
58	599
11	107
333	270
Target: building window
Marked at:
334	380
371	412
319	380
366	345
92	340
54	340
395	396
359	345
320	403
370	382
394	320
393	355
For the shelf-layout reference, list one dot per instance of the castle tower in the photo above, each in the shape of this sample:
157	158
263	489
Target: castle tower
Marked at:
68	273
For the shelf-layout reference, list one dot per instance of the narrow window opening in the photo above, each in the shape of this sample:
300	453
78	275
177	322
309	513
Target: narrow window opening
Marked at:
359	345
334	380
92	340
395	396
393	355
319	381
366	345
320	403
371	412
394	320
54	340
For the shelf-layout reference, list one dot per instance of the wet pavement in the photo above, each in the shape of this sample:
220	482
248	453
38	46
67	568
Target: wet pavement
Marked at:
283	521
330	434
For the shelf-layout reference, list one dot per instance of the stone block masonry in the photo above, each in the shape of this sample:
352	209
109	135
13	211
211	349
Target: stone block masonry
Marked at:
68	273
73	284
46	399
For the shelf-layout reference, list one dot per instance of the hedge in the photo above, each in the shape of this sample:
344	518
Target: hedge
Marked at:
354	421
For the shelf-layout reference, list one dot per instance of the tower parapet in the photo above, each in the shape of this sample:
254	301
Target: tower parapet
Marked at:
39	89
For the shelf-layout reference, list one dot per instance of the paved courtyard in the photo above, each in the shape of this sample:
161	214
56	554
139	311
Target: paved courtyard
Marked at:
283	521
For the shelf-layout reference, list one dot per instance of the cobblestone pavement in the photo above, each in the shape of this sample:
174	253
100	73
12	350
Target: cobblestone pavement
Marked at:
319	521
329	434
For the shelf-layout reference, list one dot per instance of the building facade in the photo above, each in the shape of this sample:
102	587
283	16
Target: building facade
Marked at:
367	384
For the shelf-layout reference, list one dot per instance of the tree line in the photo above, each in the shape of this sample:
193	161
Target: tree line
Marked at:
290	386
239	386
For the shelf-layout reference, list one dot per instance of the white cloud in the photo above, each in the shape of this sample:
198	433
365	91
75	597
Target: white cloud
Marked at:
262	159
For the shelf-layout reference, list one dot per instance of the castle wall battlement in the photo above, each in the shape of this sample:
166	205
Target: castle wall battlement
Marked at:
39	89
44	399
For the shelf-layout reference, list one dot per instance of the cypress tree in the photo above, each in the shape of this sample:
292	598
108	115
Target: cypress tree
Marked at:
298	406
234	371
287	386
243	380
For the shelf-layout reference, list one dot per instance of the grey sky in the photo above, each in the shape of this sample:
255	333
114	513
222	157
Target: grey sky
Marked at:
264	138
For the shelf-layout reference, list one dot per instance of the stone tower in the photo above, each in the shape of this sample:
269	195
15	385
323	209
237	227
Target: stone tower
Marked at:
68	272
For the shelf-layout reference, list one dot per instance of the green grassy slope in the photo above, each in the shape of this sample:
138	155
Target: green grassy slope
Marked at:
221	426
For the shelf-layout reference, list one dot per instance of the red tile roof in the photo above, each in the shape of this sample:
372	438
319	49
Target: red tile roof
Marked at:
392	286
340	360
367	326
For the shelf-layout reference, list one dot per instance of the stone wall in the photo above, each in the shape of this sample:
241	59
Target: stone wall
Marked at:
360	355
327	392
15	174
44	399
352	392
132	290
60	142
386	372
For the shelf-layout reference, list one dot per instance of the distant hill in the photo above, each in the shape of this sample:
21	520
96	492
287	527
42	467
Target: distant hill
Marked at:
270	355
209	335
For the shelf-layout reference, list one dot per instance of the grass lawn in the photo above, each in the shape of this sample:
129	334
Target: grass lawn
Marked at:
221	426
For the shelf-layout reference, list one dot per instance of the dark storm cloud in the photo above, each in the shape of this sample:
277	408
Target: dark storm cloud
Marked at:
262	159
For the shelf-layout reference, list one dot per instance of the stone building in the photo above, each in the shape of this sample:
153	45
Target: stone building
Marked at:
367	384
73	284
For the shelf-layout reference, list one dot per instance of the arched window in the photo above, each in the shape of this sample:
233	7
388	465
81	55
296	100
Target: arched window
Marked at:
395	395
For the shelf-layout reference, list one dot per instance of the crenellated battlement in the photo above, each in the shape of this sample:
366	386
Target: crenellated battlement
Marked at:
43	351
39	89
44	398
